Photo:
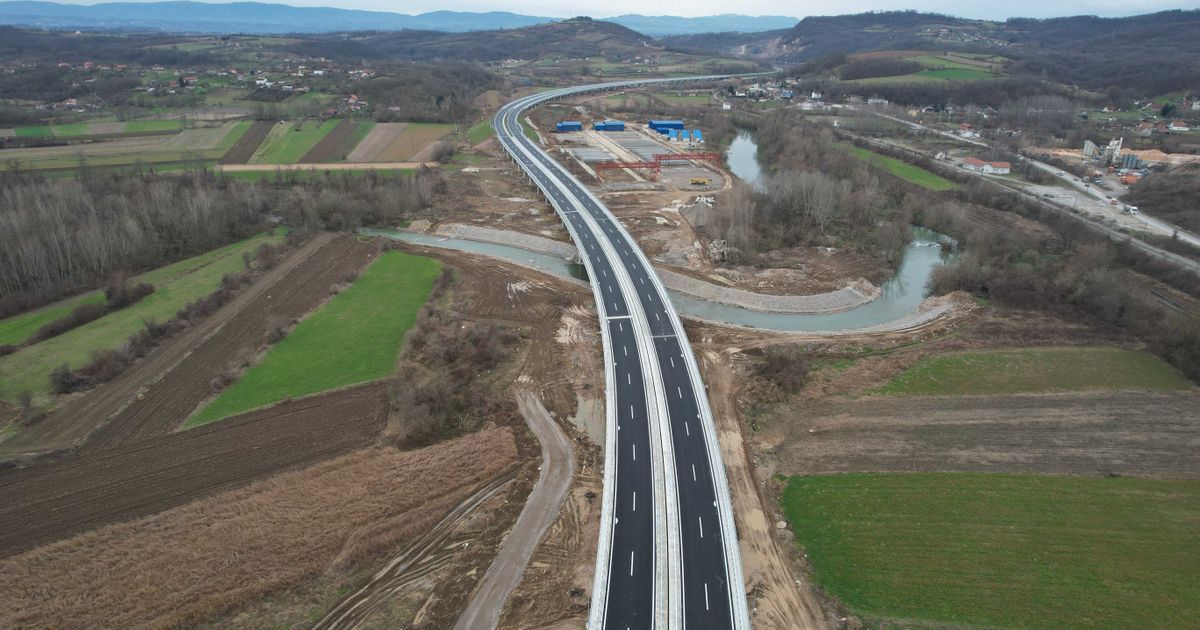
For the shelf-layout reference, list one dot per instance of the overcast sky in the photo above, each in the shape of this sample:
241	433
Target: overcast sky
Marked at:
991	9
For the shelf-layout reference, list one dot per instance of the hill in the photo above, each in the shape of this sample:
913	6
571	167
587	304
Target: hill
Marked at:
266	18
1154	53
576	38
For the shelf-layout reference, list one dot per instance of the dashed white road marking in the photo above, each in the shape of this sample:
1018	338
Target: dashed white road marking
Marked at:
700	521
693	470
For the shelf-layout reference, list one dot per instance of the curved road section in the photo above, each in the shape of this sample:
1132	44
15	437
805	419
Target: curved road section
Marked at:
668	551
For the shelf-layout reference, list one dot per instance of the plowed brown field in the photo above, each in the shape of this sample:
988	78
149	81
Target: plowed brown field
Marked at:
52	501
246	145
328	147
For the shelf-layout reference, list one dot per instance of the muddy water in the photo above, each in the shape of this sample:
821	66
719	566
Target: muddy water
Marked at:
742	157
901	295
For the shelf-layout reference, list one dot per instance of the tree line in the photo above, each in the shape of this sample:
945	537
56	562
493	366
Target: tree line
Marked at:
61	236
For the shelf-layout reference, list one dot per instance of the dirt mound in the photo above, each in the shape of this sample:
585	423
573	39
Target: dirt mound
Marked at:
245	147
51	501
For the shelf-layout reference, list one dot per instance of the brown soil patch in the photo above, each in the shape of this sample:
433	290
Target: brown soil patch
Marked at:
164	404
179	566
378	139
327	149
1126	433
47	502
244	148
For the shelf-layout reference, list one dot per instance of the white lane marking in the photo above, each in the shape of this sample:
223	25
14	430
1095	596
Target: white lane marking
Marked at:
650	298
693	468
642	280
615	307
635	500
634	451
609	286
621	326
602	273
705	584
631	412
701	522
672	361
679	390
629	378
626	349
657	318
687	429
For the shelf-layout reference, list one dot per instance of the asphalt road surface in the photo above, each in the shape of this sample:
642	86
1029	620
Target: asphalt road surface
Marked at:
669	554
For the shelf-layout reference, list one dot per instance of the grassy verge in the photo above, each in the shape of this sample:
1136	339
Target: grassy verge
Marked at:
530	132
1003	551
176	285
1036	370
355	337
286	144
901	169
480	132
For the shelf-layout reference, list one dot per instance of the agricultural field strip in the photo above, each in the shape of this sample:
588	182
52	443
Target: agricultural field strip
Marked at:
203	142
29	368
289	141
54	500
165	404
354	337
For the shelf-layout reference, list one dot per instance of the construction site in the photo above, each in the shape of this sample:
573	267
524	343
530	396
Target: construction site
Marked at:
660	155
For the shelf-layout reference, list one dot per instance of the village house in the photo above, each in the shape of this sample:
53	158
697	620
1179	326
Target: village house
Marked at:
987	168
1178	125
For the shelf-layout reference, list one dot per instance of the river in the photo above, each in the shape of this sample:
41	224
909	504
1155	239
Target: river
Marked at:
901	295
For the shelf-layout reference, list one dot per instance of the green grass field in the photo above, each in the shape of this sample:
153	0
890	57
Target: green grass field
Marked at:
146	126
903	170
175	285
16	329
480	132
33	131
354	338
286	145
1003	551
1036	370
73	129
686	99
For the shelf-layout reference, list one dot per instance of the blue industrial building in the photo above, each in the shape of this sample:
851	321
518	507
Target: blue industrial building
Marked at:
697	135
568	125
661	126
609	125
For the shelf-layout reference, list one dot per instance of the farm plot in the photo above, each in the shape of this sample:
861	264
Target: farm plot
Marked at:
288	142
54	500
247	144
901	169
354	338
175	569
177	284
203	143
398	142
335	146
163	405
1003	551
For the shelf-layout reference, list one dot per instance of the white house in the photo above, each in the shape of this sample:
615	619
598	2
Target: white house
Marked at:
987	168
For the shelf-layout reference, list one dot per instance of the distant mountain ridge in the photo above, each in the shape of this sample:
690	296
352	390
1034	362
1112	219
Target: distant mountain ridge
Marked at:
268	18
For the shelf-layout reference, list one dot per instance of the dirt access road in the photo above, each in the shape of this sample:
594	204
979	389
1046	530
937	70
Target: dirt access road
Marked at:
54	500
1127	433
541	509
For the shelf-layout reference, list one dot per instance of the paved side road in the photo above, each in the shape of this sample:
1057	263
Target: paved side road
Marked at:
558	468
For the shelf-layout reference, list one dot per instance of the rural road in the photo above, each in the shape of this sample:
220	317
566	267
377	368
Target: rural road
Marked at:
332	166
557	470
